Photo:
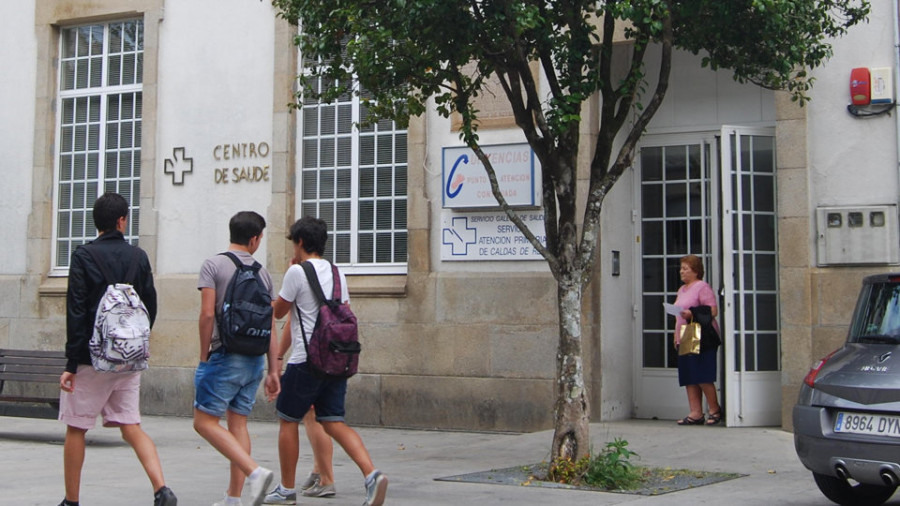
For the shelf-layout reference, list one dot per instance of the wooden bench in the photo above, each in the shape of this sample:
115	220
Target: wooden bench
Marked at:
25	367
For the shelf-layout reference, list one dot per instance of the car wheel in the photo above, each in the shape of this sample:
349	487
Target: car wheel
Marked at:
845	494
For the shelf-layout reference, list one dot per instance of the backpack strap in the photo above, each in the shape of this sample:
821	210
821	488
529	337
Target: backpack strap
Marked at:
237	261
336	293
104	266
302	331
313	278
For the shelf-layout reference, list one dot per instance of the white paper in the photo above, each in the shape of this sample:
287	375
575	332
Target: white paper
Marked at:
672	309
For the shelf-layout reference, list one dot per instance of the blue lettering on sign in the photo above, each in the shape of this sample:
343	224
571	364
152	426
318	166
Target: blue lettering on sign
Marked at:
454	185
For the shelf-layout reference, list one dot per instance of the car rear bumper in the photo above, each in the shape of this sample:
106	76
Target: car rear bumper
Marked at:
866	459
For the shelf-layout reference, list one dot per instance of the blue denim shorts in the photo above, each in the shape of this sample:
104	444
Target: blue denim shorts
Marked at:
300	389
228	381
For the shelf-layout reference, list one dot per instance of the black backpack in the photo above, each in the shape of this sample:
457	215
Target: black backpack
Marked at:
245	326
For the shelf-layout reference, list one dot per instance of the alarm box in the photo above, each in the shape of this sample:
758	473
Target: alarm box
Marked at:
860	86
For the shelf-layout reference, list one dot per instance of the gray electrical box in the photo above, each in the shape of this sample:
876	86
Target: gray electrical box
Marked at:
857	235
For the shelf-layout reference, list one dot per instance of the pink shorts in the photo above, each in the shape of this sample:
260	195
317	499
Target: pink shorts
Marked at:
116	396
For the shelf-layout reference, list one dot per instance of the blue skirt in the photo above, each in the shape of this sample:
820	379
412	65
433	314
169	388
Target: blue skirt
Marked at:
697	369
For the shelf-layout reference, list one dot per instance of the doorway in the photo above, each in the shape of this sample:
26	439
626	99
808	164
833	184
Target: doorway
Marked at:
710	194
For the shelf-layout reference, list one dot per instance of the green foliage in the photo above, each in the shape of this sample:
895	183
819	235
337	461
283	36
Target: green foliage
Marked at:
405	52
610	469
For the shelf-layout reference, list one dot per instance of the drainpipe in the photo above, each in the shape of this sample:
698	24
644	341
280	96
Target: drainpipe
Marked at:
896	21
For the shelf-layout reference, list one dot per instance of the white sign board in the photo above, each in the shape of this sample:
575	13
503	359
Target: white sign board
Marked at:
465	182
489	235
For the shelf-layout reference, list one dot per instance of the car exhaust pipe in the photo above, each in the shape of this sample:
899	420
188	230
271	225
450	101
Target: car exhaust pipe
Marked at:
841	472
889	478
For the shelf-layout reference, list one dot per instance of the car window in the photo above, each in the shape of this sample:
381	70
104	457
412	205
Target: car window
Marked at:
877	315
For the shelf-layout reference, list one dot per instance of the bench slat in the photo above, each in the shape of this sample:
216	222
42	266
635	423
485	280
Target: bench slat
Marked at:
23	376
36	369
31	353
33	361
11	398
11	359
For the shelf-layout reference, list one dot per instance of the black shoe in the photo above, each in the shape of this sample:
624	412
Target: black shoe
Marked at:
691	421
67	503
165	497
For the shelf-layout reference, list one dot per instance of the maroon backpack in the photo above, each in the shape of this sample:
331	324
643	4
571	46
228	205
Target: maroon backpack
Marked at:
333	349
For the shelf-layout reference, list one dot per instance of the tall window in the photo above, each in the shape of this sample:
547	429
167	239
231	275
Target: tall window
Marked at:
354	177
99	141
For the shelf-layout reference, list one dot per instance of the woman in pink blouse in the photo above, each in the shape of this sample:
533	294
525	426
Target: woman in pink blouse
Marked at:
697	373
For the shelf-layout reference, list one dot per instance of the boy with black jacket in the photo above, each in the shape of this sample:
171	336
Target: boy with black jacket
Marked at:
87	393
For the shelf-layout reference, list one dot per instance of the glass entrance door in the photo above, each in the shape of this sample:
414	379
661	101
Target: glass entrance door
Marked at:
676	210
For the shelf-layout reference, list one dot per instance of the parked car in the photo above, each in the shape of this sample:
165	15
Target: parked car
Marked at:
847	416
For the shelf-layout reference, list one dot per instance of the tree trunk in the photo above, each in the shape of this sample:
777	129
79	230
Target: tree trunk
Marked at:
571	436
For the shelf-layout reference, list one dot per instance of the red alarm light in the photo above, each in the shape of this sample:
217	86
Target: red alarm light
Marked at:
860	86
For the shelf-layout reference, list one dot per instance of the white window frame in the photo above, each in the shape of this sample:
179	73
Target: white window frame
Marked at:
382	129
95	186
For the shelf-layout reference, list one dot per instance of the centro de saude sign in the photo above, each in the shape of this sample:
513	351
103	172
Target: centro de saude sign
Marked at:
232	162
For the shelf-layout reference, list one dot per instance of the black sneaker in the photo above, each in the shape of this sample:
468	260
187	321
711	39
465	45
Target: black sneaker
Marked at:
165	497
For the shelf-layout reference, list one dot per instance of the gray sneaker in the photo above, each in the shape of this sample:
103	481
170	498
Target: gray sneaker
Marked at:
376	490
318	490
281	496
311	479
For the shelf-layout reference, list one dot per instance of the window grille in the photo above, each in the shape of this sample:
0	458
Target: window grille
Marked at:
353	175
99	141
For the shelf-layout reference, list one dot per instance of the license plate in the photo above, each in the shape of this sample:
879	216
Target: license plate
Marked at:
865	423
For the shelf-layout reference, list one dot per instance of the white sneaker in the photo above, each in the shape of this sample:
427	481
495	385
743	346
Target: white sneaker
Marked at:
376	490
259	486
226	503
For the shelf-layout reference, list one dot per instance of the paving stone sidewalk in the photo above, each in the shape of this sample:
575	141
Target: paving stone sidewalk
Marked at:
413	460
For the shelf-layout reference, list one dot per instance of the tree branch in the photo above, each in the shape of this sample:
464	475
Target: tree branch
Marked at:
601	187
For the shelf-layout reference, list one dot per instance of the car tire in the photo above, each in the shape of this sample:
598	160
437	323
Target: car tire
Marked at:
845	494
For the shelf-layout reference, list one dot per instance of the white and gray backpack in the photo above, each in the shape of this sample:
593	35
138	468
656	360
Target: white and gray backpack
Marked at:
121	338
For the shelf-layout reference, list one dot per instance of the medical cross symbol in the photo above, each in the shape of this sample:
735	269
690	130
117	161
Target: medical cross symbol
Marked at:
178	166
460	235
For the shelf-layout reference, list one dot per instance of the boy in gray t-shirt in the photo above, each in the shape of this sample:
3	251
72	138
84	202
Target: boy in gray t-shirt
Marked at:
226	383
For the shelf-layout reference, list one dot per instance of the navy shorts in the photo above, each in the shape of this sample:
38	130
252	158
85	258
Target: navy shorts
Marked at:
300	390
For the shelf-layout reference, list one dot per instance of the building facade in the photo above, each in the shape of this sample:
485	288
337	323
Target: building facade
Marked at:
183	108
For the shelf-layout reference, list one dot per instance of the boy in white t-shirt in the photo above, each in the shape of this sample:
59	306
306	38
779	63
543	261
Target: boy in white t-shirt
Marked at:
300	389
